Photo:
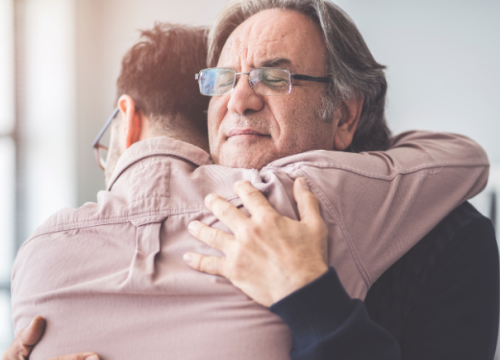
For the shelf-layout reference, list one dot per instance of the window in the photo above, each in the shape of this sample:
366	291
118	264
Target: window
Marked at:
7	167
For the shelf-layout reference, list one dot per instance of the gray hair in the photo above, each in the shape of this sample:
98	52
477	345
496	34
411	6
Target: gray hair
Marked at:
350	64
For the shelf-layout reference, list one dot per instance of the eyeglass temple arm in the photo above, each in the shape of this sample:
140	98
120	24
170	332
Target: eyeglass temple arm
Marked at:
103	130
311	78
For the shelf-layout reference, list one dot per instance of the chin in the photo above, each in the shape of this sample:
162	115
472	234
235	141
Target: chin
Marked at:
247	155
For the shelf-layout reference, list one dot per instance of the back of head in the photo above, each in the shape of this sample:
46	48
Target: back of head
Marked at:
350	65
158	73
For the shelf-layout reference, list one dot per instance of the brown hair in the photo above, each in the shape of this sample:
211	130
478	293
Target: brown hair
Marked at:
158	73
350	65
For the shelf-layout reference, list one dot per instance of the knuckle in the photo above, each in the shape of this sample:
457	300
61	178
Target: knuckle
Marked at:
211	237
225	208
208	264
249	232
201	233
196	261
251	191
270	218
322	231
218	238
241	185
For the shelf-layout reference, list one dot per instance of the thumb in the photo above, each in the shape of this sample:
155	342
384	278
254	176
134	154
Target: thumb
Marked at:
307	202
25	340
30	335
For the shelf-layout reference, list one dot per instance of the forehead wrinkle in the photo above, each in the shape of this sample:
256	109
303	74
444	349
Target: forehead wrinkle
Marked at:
260	38
269	48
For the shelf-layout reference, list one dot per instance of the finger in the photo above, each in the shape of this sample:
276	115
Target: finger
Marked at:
226	212
255	202
215	238
24	341
208	264
307	202
30	335
79	356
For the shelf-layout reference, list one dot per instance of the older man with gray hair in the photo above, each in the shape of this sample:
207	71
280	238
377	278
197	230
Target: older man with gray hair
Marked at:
440	301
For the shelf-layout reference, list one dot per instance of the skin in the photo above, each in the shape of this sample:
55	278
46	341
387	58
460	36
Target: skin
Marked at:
250	131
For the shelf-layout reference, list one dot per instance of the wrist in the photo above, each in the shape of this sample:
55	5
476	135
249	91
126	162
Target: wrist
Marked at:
298	280
316	310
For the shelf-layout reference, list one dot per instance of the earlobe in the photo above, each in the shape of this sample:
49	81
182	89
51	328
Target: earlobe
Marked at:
348	123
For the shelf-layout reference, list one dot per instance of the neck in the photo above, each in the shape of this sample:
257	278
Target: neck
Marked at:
182	130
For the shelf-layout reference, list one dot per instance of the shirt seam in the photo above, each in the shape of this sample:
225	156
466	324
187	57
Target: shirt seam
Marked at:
109	221
118	219
153	153
389	177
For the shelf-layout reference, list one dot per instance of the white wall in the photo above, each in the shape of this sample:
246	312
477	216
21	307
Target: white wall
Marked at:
443	59
46	98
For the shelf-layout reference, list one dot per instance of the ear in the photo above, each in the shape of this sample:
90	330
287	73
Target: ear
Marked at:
350	112
133	120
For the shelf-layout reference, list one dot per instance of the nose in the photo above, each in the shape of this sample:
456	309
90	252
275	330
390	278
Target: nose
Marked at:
243	99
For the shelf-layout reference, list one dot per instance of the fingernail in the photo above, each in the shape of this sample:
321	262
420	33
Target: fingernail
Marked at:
187	258
209	198
303	182
193	225
92	357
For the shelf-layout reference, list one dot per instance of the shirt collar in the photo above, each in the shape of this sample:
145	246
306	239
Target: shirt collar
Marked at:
159	146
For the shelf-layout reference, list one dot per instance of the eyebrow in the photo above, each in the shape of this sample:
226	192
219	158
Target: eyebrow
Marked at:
276	62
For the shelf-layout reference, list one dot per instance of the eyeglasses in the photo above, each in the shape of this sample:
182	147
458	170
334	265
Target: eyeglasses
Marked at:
101	151
264	81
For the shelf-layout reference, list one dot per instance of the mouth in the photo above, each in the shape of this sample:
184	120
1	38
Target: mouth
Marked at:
244	132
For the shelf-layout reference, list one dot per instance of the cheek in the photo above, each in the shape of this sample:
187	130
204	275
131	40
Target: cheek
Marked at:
290	113
217	109
299	124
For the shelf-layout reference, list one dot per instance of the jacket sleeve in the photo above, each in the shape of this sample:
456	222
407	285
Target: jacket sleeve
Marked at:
384	202
327	324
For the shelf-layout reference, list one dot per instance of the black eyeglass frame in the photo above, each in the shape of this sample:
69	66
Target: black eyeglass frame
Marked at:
292	77
96	144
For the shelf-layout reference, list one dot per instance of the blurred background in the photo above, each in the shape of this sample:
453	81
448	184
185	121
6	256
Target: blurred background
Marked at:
59	60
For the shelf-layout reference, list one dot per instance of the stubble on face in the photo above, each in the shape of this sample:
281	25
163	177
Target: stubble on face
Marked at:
282	125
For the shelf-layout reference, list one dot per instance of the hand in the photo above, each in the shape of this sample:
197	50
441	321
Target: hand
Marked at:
269	256
27	339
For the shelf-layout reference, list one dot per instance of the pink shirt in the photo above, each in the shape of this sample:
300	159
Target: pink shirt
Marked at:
109	277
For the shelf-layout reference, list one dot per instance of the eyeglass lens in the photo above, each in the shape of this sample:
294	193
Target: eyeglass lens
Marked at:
103	146
264	81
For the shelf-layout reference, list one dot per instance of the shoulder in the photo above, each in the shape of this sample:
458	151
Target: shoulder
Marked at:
452	265
109	209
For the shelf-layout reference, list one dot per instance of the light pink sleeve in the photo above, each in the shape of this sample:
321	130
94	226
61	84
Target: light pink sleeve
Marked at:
383	202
